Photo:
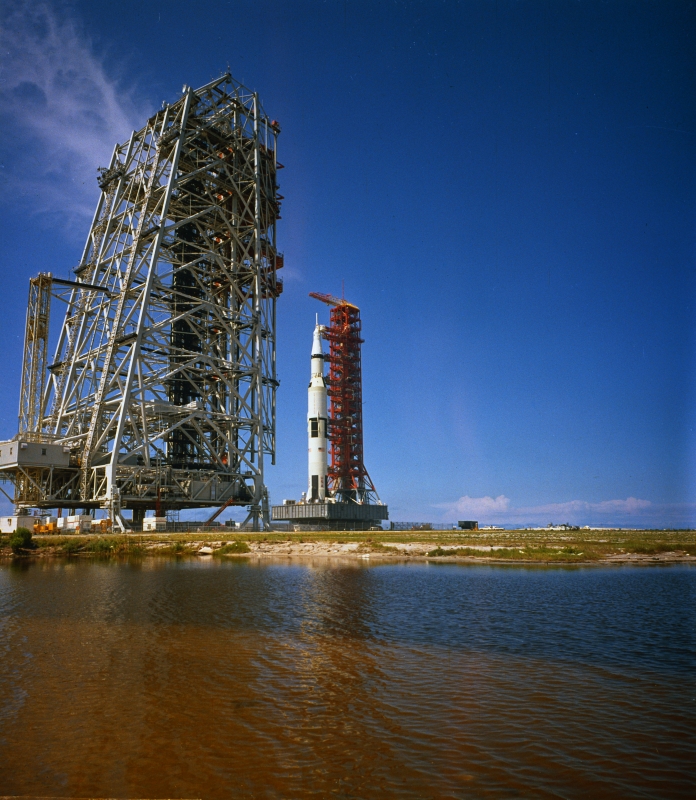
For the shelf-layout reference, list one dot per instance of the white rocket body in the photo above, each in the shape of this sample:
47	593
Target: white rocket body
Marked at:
317	423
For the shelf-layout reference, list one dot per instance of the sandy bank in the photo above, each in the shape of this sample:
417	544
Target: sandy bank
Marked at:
362	549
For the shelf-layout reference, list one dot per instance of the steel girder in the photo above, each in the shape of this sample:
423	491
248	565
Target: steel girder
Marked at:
35	353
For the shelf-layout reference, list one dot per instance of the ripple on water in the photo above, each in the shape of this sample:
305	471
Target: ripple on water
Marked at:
167	679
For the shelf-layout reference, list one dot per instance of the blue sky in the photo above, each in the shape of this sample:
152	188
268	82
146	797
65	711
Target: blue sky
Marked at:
508	190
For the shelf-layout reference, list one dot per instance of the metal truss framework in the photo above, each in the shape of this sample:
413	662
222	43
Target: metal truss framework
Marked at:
347	480
35	354
164	380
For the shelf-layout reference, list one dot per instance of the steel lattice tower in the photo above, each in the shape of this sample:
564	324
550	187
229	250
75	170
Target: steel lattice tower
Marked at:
164	379
348	479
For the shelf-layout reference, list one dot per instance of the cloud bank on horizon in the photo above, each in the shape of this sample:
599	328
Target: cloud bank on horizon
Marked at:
632	511
57	99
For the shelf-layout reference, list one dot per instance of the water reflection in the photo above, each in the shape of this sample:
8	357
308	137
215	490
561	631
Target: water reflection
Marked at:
159	678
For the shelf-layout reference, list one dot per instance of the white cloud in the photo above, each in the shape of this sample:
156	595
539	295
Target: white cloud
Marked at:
631	505
478	505
61	113
631	511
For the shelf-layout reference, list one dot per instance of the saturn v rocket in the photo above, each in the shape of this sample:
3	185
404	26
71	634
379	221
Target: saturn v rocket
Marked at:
317	423
340	495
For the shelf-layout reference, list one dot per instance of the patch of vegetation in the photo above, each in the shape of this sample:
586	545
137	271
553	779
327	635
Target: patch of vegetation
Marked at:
378	547
232	547
438	552
527	553
176	549
71	546
42	542
651	548
100	546
128	548
21	540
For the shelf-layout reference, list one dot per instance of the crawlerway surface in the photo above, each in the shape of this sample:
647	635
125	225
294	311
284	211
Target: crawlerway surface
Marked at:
531	546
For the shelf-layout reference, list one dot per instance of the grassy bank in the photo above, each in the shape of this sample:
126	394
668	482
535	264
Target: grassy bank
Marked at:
521	545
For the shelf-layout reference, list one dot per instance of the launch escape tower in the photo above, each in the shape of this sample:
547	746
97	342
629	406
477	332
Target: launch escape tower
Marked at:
161	394
343	497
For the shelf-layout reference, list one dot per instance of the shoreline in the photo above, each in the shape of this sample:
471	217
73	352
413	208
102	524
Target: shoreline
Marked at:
497	547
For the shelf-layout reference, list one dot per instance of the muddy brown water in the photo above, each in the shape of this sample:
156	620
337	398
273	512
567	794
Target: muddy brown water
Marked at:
194	678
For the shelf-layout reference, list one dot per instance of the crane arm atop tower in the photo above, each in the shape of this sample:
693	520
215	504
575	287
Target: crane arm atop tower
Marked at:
330	300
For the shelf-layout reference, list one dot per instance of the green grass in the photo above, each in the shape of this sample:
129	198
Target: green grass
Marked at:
654	548
101	546
517	553
231	548
377	547
129	548
585	551
174	549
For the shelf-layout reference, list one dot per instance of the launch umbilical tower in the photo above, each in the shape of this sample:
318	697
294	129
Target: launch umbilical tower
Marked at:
162	390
